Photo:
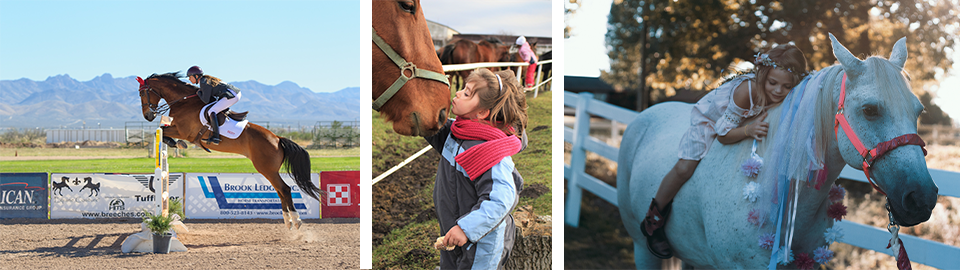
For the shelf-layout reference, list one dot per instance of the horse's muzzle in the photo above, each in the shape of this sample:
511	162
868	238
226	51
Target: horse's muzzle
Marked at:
913	208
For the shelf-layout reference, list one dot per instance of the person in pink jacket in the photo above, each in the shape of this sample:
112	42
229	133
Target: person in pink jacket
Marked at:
527	55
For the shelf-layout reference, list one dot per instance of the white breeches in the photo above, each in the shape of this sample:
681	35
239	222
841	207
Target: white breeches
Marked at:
224	103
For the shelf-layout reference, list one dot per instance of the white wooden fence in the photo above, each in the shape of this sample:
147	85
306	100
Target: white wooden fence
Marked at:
921	251
472	66
80	135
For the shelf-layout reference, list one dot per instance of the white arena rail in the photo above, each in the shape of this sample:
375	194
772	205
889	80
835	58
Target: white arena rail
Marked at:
919	250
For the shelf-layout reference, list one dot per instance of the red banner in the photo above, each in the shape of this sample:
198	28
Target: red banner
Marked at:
342	194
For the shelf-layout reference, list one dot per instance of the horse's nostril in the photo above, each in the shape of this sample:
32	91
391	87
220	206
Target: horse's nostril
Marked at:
911	202
443	117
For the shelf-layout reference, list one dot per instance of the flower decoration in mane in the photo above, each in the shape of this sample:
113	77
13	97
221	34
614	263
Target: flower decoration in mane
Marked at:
833	234
804	261
837	211
766	241
837	193
822	255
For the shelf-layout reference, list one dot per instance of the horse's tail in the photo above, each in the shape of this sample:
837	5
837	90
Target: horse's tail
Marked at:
297	161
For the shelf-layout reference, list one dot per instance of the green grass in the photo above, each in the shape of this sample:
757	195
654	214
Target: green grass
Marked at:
145	165
394	252
534	164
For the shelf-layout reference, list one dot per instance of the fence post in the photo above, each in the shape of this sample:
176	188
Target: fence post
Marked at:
578	158
537	81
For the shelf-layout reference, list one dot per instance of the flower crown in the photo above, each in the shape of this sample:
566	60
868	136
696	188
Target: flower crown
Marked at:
764	59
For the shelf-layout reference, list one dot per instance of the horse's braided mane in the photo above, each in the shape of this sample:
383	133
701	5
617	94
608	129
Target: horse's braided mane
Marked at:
174	75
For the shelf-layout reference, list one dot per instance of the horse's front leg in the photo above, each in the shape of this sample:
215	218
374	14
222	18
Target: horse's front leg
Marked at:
169	133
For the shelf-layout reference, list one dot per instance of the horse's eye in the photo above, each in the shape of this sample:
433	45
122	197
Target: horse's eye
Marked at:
407	6
871	111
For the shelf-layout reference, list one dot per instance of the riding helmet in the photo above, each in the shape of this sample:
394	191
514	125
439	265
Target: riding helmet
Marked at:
194	70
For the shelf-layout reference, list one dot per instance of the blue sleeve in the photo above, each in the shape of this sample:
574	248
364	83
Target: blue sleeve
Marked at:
498	195
438	139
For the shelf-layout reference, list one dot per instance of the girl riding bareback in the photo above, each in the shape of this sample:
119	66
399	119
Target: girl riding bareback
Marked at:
213	90
719	115
477	185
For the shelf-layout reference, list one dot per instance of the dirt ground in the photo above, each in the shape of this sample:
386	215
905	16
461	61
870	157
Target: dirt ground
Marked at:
211	244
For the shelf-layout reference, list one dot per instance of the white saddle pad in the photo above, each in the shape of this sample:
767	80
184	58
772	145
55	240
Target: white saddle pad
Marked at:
229	128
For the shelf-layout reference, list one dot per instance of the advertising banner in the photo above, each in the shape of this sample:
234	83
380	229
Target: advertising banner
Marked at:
343	194
106	195
243	195
23	195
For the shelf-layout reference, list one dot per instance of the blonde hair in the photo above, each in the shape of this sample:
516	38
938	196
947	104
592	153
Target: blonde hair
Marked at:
501	94
212	81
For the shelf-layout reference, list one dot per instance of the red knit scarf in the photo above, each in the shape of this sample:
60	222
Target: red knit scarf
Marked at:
482	157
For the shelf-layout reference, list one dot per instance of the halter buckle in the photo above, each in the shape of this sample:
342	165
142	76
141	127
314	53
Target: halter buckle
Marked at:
409	66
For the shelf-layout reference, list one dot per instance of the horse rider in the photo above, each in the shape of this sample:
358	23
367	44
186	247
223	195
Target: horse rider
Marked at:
212	89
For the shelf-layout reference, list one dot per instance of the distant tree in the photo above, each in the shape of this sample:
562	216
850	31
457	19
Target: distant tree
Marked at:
932	114
659	46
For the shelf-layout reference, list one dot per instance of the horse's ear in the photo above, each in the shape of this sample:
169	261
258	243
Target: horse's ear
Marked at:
899	55
851	64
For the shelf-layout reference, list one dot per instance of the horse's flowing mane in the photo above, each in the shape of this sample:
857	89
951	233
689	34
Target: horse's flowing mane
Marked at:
180	87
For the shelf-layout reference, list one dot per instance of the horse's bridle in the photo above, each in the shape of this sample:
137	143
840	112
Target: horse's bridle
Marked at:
404	67
145	89
882	148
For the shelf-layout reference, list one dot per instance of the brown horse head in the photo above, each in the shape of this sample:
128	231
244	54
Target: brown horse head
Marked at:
419	108
167	86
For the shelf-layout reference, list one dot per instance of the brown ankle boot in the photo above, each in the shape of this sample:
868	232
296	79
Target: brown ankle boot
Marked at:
652	228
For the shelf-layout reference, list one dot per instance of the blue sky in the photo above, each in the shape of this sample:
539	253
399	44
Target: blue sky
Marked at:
312	43
517	17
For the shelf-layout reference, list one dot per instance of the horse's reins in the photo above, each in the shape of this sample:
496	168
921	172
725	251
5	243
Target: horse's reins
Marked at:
900	253
404	67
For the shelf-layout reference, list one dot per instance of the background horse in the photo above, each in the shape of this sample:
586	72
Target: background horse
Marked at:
462	51
708	227
266	150
419	107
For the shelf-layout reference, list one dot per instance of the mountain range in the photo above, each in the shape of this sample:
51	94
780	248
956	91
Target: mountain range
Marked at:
63	102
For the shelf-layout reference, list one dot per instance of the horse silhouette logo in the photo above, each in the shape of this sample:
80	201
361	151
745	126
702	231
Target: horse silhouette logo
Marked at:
116	205
59	186
93	187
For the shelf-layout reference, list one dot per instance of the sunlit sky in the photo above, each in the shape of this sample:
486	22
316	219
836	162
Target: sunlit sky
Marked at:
311	43
590	25
516	17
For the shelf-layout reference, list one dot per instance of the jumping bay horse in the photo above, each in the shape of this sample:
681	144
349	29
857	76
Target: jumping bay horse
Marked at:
409	87
266	150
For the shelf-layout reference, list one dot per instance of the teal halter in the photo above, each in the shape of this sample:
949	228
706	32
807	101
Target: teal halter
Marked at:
404	67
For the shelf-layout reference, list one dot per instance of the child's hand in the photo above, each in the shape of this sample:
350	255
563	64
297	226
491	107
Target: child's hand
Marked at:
757	129
455	237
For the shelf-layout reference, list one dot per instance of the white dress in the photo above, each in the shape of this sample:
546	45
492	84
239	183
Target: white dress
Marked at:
715	114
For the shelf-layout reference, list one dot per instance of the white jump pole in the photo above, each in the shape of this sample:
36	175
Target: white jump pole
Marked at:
161	175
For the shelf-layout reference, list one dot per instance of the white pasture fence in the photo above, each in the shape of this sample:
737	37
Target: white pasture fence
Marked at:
471	66
921	251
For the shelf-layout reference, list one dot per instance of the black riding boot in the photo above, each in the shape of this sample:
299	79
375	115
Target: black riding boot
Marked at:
214	129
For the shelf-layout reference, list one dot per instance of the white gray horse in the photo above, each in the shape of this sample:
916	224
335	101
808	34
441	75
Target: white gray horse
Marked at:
708	227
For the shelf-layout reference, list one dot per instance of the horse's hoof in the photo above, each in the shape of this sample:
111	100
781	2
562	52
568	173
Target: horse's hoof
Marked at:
181	144
298	223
